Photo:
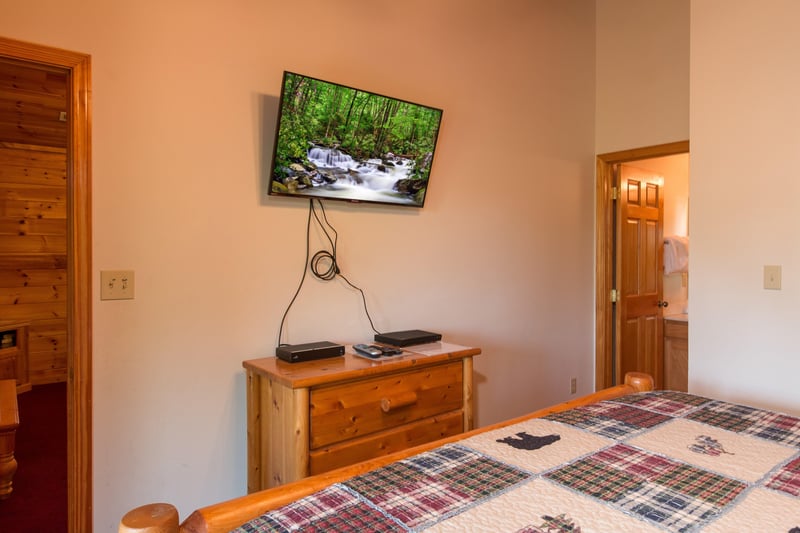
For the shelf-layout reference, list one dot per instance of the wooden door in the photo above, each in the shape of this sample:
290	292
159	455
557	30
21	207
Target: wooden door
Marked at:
640	258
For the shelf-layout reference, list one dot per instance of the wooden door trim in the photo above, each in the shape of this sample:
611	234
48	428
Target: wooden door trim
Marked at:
604	260
79	272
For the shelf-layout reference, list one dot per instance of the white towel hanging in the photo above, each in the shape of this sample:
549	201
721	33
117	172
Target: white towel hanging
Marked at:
676	254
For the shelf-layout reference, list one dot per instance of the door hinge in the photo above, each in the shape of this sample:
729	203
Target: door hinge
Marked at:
613	296
614	193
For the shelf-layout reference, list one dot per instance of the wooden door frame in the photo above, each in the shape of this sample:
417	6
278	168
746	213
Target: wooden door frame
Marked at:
79	271
604	258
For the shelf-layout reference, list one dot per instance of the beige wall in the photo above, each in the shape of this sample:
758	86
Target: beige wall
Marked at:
743	340
642	73
184	97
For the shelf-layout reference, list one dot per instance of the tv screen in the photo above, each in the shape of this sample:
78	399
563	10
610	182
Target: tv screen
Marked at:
337	142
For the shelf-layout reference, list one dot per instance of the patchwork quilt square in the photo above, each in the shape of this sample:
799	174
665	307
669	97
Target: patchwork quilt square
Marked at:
388	478
628	414
670	403
671	509
354	519
761	423
725	415
541	506
442	459
595	478
776	427
787	478
417	503
426	488
660	490
636	462
736	455
759	510
536	445
612	420
701	484
331	509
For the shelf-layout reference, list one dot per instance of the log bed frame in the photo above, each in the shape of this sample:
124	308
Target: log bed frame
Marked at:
227	515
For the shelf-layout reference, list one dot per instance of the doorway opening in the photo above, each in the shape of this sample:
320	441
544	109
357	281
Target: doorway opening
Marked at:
610	336
77	68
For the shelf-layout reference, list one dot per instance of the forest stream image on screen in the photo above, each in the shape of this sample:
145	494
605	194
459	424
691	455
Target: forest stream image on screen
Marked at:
337	142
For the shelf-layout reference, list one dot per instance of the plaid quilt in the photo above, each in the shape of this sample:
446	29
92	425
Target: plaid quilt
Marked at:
656	461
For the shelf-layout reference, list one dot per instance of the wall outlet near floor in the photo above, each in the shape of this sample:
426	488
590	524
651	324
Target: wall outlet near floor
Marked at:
116	284
573	385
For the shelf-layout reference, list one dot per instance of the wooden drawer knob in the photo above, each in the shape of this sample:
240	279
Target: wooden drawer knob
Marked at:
403	399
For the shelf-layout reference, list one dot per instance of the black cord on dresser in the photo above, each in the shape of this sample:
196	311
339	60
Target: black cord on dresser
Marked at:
323	264
303	277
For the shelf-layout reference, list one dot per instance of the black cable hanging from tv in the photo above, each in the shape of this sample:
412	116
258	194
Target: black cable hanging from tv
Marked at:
323	264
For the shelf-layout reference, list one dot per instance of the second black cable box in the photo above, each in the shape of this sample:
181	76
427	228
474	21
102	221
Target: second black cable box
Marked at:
297	353
408	337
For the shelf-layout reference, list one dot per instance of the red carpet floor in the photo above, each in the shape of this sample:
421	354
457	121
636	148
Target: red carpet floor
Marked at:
38	502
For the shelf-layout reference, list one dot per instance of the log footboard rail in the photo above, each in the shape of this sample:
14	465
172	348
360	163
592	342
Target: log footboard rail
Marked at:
224	516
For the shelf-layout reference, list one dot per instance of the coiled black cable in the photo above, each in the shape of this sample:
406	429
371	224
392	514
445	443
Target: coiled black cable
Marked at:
323	264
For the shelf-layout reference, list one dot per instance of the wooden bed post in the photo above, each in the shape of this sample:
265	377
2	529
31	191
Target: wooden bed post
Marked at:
150	518
639	381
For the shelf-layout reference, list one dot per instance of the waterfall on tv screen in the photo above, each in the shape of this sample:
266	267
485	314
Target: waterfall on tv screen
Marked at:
369	179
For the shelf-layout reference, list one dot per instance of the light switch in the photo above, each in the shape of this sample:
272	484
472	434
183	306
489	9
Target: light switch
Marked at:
116	284
772	277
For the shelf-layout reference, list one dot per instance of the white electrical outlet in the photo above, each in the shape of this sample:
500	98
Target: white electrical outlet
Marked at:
116	284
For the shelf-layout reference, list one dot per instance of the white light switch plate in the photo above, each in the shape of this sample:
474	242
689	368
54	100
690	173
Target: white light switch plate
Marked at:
116	284
772	277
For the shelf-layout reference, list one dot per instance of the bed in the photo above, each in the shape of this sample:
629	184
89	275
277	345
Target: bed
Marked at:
623	459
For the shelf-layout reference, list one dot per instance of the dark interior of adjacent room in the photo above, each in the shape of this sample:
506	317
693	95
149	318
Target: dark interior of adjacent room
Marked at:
38	501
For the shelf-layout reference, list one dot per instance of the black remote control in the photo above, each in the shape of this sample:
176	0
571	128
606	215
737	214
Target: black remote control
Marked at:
389	351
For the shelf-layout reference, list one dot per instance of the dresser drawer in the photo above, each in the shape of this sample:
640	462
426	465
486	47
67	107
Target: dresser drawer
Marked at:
8	366
359	408
385	442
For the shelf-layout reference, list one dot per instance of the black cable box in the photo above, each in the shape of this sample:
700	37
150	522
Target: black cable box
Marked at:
408	337
297	353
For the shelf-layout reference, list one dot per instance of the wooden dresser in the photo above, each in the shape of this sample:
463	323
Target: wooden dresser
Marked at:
14	355
312	417
676	353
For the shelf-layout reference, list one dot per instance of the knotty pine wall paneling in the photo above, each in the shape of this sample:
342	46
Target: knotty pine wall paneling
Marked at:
33	211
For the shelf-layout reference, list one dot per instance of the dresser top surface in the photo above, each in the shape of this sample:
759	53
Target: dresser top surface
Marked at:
351	366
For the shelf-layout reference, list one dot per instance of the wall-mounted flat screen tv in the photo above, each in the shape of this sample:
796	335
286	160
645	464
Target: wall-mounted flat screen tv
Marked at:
334	141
